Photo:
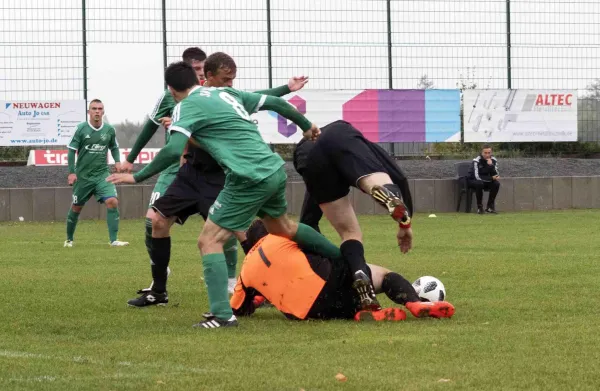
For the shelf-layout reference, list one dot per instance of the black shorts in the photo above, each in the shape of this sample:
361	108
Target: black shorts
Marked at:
336	161
337	300
192	192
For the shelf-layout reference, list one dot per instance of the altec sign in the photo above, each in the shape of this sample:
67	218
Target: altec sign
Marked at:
554	100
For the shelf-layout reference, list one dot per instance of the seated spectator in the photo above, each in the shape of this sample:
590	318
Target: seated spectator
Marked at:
484	176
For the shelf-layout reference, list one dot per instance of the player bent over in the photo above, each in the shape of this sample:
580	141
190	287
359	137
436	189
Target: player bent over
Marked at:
218	120
304	285
91	142
340	158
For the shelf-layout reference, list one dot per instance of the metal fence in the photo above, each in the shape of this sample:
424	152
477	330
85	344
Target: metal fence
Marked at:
74	49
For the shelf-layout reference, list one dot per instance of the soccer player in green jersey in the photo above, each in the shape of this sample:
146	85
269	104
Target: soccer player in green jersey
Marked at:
91	142
218	120
160	115
185	199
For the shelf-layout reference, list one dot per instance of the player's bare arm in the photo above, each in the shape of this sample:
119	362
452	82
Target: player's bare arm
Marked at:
168	155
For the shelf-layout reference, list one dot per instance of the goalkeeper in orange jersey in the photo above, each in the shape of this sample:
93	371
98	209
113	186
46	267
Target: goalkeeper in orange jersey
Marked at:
304	285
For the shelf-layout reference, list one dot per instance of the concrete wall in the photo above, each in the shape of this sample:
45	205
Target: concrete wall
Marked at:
429	195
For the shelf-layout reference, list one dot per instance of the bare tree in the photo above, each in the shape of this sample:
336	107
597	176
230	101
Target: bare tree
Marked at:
425	83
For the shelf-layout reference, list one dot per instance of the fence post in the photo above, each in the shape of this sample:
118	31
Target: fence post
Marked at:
269	44
164	31
389	44
269	54
389	47
508	46
84	41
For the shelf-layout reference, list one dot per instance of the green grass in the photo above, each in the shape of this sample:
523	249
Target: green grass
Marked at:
527	314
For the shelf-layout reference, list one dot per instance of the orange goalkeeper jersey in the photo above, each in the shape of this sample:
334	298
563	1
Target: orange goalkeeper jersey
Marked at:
277	269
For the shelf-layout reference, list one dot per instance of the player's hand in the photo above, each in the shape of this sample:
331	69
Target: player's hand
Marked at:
297	83
126	166
118	167
120	178
313	133
496	177
489	162
71	179
404	237
165	121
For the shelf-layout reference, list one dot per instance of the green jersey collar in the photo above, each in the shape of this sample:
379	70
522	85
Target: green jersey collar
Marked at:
96	129
193	89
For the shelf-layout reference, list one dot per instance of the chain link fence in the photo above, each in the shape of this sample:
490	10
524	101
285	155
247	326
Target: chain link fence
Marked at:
116	51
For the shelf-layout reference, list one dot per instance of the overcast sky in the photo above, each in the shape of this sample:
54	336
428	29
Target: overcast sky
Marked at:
340	44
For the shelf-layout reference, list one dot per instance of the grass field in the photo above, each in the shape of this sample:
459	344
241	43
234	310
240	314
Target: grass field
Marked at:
527	301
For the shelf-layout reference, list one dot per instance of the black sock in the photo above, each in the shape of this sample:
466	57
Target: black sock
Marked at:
398	289
160	256
246	246
149	236
354	253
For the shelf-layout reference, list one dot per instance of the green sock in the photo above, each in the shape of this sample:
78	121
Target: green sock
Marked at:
231	256
112	220
149	236
72	218
215	276
311	240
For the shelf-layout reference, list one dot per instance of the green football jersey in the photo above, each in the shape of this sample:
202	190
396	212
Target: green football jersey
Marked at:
164	108
92	146
218	119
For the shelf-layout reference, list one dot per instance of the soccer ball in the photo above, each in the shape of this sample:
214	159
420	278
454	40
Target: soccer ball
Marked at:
430	289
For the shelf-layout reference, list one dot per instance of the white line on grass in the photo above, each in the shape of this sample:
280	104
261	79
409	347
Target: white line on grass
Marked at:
81	359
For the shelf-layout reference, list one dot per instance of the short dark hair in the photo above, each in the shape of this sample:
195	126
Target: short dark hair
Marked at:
180	76
94	101
194	53
219	60
256	232
486	146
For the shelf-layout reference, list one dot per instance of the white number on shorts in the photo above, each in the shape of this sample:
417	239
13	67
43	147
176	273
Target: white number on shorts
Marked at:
237	106
74	199
154	196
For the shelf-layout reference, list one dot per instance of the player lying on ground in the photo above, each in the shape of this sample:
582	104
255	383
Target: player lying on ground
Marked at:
340	158
192	189
304	285
91	142
218	120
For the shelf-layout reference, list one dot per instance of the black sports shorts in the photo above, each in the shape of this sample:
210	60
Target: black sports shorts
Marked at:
337	300
192	192
336	161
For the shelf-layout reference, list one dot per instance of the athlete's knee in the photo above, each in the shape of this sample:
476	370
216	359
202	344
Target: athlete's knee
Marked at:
208	243
112	202
160	226
76	208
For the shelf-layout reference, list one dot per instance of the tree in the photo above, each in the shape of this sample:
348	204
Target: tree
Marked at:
593	90
425	83
128	131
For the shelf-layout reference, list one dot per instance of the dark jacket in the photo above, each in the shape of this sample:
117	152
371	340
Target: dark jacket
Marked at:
482	171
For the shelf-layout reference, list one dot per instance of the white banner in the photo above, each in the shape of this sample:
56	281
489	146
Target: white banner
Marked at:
520	115
58	157
28	123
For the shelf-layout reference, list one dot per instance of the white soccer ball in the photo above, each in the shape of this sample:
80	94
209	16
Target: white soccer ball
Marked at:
430	289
